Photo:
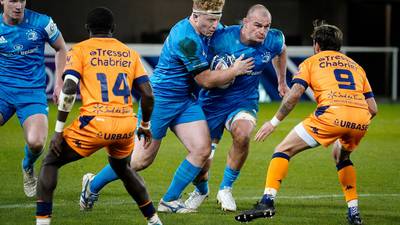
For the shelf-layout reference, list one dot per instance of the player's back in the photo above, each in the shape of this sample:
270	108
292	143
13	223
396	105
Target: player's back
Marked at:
107	69
335	79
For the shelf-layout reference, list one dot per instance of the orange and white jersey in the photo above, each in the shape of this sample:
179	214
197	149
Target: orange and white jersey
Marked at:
335	79
107	70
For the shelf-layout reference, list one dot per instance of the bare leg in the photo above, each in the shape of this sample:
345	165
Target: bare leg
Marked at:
141	158
35	130
134	184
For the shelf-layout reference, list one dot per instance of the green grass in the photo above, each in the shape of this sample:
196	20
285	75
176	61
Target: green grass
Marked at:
311	173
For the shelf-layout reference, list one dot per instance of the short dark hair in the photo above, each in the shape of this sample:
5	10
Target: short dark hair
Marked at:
328	37
100	20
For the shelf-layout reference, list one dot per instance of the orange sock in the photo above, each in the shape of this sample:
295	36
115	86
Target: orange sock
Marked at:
277	170
347	178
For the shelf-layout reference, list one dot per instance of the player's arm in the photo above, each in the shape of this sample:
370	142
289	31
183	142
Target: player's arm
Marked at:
146	104
60	59
213	78
279	63
66	101
288	103
372	106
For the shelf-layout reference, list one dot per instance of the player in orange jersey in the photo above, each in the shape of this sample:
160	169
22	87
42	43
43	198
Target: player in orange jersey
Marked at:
342	91
107	71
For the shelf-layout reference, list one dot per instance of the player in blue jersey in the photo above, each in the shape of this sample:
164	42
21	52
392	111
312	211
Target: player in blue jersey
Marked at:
183	61
23	34
234	107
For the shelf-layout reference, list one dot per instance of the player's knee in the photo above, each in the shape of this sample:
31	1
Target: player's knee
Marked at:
242	140
35	145
140	165
51	160
203	153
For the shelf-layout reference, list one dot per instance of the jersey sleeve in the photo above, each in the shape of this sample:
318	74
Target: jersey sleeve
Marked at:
279	42
73	66
51	30
303	76
140	74
367	90
190	52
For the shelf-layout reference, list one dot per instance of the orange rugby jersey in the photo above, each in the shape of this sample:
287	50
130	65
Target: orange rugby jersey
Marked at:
335	79
107	69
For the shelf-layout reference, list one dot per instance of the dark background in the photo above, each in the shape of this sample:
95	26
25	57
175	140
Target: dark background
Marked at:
364	23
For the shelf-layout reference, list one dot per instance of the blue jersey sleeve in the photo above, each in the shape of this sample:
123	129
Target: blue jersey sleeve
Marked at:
49	28
278	40
190	52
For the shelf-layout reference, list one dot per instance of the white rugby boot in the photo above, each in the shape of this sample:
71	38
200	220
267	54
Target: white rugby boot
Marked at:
226	200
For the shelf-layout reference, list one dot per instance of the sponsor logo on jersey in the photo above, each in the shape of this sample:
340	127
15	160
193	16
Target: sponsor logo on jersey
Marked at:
114	136
100	109
108	57
18	47
32	35
51	29
351	125
3	40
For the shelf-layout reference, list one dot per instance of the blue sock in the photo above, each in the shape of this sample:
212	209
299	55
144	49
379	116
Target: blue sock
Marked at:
202	187
230	176
105	176
29	158
185	174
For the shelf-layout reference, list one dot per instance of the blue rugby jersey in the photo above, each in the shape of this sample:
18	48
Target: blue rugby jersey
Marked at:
183	56
244	90
22	50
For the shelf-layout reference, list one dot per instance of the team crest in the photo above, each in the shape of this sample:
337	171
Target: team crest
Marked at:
266	57
32	35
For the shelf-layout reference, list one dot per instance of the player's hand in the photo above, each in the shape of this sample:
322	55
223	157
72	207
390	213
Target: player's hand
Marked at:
56	93
243	66
283	89
146	135
264	131
55	143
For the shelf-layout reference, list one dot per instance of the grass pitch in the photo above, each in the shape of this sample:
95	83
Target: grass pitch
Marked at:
309	195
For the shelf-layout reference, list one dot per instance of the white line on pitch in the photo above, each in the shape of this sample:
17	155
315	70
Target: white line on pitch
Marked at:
29	205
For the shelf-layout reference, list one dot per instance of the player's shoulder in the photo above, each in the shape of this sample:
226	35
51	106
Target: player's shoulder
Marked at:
36	19
274	32
226	31
183	30
275	40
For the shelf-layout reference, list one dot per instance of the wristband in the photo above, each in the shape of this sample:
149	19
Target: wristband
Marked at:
274	121
145	125
59	126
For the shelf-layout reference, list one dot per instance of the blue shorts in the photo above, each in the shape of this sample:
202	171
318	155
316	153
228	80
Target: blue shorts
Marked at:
24	102
216	122
168	114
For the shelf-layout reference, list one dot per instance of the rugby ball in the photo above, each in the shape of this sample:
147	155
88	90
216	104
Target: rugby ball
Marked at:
222	62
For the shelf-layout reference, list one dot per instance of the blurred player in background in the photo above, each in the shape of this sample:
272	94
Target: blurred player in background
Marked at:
107	71
23	35
183	61
345	108
234	107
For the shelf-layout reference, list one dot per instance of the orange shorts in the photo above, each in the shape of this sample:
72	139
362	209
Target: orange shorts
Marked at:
87	134
348	124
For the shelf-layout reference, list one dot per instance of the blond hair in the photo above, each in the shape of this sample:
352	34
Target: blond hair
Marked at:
208	5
